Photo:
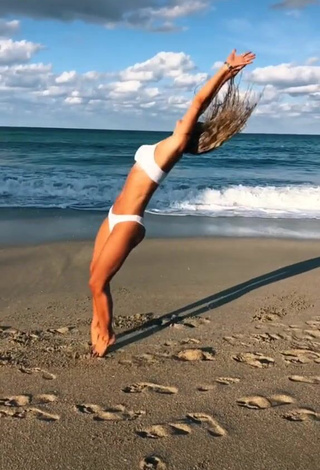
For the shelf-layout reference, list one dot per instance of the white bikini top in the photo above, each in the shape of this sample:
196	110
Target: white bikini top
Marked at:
145	158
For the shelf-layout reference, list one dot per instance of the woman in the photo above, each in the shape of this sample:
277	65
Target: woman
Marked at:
123	229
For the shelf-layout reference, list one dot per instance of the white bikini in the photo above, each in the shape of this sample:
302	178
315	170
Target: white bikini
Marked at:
145	160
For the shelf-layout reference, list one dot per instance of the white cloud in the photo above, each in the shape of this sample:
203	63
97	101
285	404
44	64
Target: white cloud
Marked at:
31	76
190	81
184	8
125	87
152	92
286	75
141	75
92	75
148	105
283	111
53	91
179	102
270	95
217	65
163	64
67	77
302	90
7	28
15	52
73	100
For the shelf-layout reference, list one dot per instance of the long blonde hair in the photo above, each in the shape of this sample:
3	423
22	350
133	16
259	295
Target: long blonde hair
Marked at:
225	116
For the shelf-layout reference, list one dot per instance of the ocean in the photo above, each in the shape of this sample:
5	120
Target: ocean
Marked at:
59	184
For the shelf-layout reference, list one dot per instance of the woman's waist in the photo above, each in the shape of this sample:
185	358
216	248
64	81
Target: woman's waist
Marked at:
136	193
131	204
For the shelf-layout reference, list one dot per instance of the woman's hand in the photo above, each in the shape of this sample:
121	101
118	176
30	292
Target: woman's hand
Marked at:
236	63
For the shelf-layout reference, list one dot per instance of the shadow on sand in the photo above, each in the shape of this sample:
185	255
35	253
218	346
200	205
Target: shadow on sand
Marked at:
212	302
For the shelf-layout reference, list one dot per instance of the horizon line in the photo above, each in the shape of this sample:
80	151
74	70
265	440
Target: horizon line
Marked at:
137	130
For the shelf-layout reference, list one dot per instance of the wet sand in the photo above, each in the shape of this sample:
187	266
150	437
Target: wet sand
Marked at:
217	364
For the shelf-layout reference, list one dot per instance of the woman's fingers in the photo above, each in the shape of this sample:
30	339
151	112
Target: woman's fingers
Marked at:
249	55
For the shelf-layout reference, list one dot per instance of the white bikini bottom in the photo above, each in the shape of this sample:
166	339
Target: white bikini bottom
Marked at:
115	219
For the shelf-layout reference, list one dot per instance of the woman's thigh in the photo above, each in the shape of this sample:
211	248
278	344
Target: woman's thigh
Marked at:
100	241
124	237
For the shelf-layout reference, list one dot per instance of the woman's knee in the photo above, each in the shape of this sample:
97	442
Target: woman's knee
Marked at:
97	286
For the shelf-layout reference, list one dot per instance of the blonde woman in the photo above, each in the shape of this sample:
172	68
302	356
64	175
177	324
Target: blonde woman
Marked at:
123	229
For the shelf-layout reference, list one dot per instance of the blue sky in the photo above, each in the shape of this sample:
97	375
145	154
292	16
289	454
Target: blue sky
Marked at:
47	50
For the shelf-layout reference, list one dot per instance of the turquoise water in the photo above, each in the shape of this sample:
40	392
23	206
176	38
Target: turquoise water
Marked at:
252	181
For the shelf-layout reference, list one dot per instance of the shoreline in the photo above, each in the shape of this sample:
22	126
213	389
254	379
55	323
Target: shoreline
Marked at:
40	226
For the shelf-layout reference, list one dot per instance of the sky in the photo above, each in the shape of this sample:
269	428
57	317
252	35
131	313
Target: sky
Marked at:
136	64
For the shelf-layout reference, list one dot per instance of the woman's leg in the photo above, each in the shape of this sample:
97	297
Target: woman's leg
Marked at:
124	237
100	241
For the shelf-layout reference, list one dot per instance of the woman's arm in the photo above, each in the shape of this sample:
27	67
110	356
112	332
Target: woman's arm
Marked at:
229	70
176	144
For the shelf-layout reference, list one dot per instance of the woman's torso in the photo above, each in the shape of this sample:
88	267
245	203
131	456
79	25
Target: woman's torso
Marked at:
139	187
136	193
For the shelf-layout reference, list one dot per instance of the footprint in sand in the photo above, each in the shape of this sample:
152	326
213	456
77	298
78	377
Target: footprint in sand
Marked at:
61	331
219	380
21	414
301	334
201	354
44	398
261	403
270	314
236	339
146	386
160	431
302	414
16	401
183	427
254	360
152	463
190	341
190	323
314	323
227	380
305	379
19	407
36	370
207	422
301	356
169	343
266	337
116	413
42	415
312	334
24	400
144	359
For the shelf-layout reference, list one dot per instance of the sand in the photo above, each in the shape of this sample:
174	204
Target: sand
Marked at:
217	364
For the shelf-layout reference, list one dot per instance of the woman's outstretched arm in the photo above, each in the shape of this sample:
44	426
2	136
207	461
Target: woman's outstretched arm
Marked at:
179	140
230	69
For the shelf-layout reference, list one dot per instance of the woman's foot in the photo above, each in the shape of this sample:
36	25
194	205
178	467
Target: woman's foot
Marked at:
103	343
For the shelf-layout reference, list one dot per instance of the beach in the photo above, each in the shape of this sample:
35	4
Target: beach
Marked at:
216	366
